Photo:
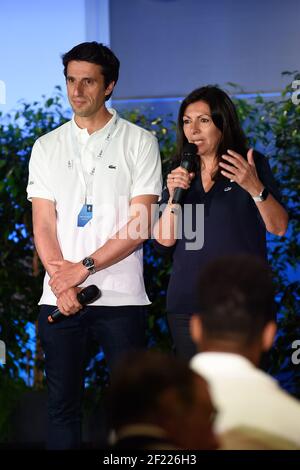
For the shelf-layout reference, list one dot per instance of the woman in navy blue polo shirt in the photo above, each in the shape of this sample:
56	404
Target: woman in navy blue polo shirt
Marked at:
237	190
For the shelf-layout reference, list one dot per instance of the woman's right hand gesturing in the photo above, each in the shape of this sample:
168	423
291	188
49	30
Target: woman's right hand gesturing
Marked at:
179	178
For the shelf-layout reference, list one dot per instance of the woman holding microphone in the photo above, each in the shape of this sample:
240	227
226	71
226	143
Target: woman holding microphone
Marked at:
235	187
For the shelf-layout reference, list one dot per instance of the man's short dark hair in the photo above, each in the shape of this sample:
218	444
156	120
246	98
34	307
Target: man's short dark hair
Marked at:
96	53
139	382
236	296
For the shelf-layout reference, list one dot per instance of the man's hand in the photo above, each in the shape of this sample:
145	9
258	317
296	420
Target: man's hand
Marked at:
67	302
67	275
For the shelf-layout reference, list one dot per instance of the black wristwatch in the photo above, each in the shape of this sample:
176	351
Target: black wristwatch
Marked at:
89	264
262	196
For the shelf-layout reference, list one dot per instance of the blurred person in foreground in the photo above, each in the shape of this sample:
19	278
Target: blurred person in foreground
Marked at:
156	401
235	325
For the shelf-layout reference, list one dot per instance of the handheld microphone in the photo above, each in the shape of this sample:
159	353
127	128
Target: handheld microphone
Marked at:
86	296
188	161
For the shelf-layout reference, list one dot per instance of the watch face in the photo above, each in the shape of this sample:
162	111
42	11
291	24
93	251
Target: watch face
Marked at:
88	262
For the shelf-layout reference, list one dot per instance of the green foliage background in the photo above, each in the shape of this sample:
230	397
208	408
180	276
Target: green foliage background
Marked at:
272	126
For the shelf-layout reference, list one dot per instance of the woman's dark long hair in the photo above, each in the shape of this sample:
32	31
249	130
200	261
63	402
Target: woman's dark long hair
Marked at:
224	116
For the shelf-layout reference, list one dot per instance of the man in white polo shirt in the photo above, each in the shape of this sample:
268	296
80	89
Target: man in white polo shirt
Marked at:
92	183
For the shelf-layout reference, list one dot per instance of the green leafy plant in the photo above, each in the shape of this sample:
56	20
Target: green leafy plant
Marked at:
20	272
20	276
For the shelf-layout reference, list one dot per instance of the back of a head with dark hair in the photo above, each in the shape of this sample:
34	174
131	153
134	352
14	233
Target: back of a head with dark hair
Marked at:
138	383
96	53
236	296
224	116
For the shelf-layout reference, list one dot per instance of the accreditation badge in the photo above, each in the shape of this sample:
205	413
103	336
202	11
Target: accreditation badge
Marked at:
85	215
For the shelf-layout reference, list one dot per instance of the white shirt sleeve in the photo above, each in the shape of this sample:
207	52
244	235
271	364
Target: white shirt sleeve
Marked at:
39	180
147	176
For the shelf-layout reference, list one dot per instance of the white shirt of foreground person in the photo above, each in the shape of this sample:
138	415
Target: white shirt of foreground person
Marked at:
110	166
247	397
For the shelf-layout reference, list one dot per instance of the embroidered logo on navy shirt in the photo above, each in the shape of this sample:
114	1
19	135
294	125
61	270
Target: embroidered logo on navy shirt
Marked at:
228	188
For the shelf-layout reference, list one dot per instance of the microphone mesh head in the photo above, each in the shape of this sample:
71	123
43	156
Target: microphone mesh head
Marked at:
190	148
89	294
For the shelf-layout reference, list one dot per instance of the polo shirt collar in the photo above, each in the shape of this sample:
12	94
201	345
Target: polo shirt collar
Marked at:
83	136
